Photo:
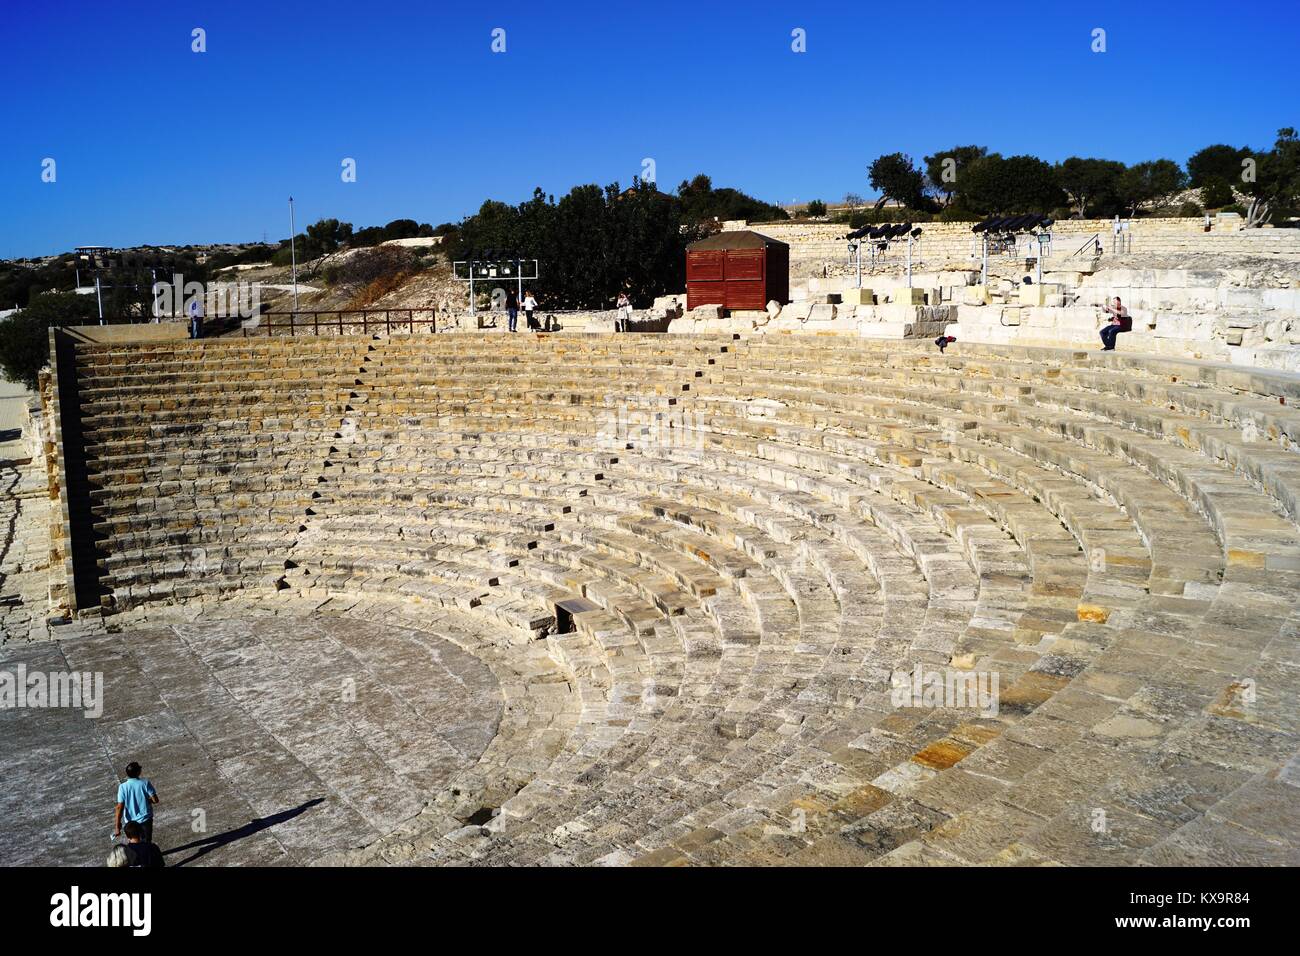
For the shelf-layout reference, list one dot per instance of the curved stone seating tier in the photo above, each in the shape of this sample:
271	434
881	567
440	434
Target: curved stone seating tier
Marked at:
751	539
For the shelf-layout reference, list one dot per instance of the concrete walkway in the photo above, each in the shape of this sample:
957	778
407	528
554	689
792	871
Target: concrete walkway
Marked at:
13	417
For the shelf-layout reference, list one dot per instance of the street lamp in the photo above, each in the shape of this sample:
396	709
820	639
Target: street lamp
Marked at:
293	255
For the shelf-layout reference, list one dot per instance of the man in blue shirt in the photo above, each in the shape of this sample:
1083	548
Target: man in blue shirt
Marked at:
136	799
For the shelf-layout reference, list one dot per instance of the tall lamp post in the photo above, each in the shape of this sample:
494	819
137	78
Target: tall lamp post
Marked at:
293	255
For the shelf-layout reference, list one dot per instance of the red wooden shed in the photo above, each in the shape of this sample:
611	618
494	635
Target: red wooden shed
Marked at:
737	270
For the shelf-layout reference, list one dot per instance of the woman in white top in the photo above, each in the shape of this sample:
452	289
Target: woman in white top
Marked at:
529	305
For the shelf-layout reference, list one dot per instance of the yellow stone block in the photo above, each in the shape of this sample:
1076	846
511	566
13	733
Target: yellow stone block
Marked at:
1032	295
941	754
1245	559
857	297
1093	613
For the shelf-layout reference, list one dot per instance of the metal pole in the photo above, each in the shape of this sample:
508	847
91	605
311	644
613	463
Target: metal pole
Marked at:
909	260
293	254
99	299
858	246
984	267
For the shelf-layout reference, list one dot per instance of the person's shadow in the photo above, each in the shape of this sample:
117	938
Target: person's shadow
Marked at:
217	841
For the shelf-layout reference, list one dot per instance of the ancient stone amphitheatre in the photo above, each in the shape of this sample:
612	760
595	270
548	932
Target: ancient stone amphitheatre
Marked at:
673	599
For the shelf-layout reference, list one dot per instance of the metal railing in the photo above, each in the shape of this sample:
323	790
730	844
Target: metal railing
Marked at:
343	322
1093	240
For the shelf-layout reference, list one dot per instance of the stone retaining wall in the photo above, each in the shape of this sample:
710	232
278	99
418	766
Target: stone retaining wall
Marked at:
817	248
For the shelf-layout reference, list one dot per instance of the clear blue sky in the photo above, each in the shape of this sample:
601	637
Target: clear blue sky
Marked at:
155	143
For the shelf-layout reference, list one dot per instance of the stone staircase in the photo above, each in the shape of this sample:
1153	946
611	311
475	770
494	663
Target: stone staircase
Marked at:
764	537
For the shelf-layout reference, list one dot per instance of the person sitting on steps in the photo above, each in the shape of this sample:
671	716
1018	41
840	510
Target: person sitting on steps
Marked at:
1120	321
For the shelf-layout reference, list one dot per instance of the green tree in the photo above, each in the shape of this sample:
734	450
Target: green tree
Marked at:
1215	192
25	336
326	236
1091	184
1219	161
895	177
1153	183
591	245
701	202
997	185
942	175
816	208
1274	186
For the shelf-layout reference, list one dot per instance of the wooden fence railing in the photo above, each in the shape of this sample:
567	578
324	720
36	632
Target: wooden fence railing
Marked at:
344	322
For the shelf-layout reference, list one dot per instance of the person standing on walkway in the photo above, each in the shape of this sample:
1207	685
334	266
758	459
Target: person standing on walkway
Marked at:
512	309
624	313
530	304
136	798
196	318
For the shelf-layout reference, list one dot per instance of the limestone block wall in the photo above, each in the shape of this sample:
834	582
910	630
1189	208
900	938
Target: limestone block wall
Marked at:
1222	314
817	247
889	320
1212	336
60	548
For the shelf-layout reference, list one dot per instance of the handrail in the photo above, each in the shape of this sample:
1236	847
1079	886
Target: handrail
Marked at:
311	321
1095	237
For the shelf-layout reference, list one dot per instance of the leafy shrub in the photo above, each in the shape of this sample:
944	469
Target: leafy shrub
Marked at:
376	289
371	265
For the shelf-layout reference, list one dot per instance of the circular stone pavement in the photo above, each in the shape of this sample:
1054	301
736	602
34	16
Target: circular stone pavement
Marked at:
269	740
